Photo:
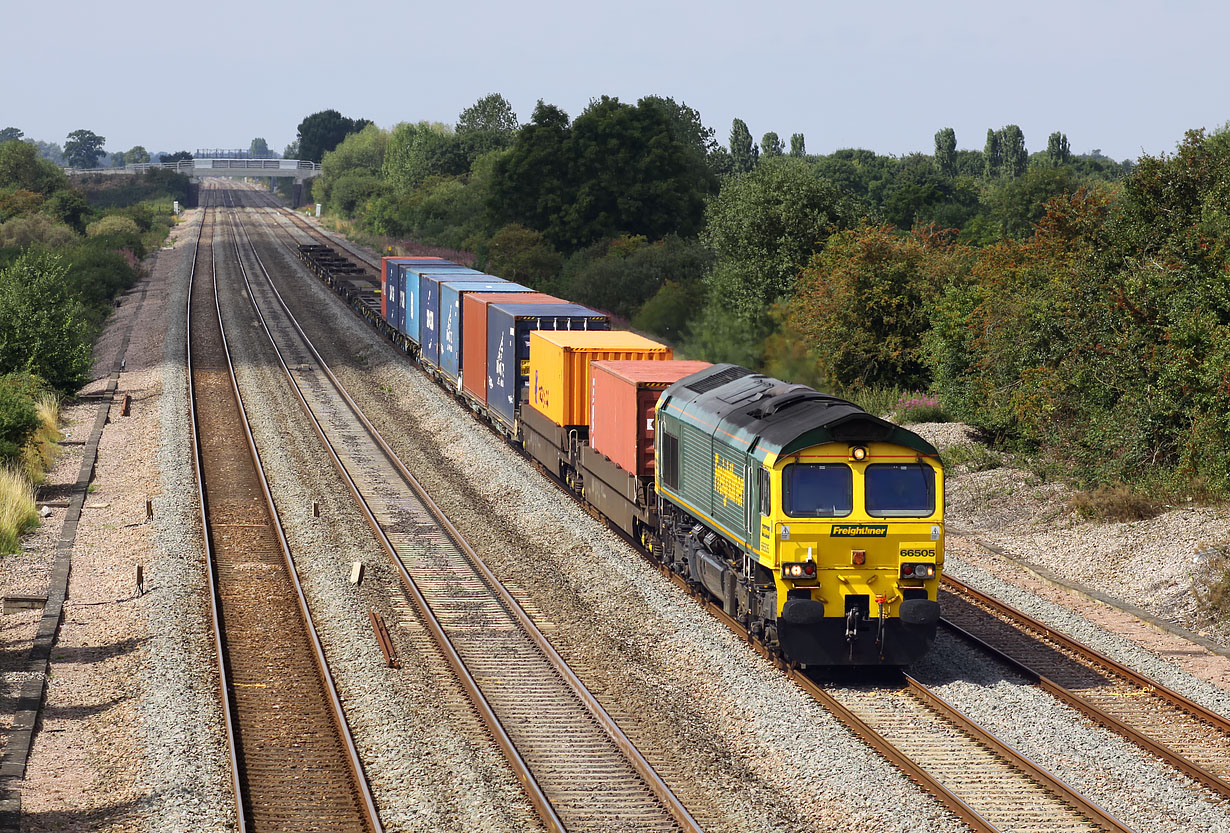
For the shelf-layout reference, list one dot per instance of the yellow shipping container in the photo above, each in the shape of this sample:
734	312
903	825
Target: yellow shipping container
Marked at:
559	367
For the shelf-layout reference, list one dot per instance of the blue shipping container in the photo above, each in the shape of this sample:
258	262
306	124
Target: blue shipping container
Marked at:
451	324
508	346
410	303
433	321
388	279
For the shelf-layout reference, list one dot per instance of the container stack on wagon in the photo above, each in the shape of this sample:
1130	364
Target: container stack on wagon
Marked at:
474	308
508	348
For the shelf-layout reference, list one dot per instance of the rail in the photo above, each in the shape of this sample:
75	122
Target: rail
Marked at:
579	768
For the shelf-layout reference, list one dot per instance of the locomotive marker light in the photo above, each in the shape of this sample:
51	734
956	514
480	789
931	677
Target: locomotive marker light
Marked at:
858	557
858	453
918	571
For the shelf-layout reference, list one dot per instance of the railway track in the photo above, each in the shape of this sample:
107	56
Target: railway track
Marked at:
578	768
294	765
984	781
1193	739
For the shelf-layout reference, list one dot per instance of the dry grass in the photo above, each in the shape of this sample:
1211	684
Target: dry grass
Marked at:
17	513
40	452
1116	503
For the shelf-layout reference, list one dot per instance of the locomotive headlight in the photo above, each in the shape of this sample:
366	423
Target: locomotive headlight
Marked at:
799	570
858	453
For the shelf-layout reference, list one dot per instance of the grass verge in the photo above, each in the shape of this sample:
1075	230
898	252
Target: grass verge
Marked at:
17	513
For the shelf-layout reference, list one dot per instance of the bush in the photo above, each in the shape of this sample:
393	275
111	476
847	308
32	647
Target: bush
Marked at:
112	224
43	328
1115	503
35	230
19	420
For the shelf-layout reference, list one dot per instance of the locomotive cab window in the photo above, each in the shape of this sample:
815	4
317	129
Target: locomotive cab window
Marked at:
817	491
670	460
900	491
766	495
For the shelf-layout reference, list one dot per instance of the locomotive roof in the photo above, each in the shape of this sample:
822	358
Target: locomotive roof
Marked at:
776	416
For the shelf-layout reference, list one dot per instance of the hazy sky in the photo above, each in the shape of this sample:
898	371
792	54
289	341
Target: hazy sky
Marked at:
1125	77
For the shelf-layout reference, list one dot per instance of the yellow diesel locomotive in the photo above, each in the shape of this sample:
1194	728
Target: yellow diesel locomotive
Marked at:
818	526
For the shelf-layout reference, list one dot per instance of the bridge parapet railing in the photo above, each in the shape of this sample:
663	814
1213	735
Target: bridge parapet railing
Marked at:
190	166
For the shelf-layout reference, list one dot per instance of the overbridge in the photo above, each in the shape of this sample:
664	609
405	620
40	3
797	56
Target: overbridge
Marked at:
195	169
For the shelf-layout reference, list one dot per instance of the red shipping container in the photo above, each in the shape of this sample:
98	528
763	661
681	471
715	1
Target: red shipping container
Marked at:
623	395
474	334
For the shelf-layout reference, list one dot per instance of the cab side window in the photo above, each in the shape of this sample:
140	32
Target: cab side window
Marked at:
670	460
766	493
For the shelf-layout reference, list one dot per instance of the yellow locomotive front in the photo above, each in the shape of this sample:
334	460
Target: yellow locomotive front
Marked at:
854	536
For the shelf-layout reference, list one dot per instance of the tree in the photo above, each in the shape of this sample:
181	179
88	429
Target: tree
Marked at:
993	155
491	114
946	151
42	326
764	226
772	145
324	131
865	302
136	156
1012	147
743	150
517	253
416	152
1058	151
618	169
10	134
178	156
259	149
798	147
21	168
83	148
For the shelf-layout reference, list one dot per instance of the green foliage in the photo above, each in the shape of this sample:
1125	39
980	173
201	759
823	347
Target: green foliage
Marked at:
993	155
865	302
324	131
946	151
1057	150
416	152
351	172
668	313
1015	206
259	149
83	148
743	151
34	230
618	169
42	326
20	167
798	146
69	207
136	156
523	255
178	156
764	226
18	416
10	134
155	184
1012	145
771	145
633	271
113	224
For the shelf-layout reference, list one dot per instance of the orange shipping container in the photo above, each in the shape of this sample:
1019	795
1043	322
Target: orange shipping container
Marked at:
559	367
474	334
623	398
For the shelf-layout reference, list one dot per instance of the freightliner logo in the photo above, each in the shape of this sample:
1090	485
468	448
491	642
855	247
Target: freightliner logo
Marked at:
859	531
